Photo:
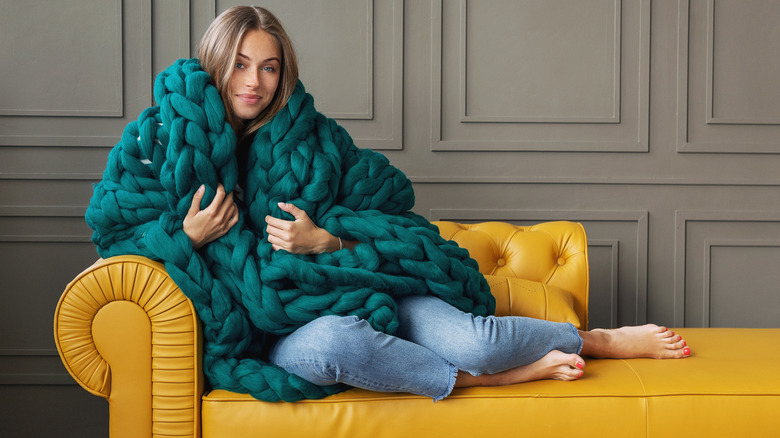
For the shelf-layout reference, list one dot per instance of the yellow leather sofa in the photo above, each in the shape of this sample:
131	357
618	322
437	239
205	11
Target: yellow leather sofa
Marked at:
126	332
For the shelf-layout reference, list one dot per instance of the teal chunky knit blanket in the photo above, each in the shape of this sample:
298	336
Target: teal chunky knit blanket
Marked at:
246	293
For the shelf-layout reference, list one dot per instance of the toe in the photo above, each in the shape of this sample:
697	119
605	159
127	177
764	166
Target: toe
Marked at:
568	374
674	340
679	353
676	345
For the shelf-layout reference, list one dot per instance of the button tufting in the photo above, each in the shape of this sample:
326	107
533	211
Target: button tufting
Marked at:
500	262
561	261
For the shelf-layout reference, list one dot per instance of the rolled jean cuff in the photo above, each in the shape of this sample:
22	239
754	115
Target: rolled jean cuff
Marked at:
576	333
450	385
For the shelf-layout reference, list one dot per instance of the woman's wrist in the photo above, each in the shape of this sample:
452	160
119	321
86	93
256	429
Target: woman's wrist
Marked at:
330	242
196	242
335	243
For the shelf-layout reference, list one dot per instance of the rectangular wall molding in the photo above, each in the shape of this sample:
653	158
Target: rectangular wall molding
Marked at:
709	246
683	219
624	127
80	127
612	113
699	130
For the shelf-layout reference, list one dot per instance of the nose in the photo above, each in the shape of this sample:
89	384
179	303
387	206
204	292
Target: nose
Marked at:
252	79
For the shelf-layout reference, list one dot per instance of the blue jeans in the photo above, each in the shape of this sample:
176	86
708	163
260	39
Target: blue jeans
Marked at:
433	342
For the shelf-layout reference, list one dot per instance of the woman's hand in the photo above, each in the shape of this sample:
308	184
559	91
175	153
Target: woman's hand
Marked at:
299	236
213	222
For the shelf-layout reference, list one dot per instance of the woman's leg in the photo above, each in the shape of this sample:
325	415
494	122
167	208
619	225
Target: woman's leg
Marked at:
334	349
489	345
555	365
649	341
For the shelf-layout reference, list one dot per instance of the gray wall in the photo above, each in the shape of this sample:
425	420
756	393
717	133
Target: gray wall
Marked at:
655	123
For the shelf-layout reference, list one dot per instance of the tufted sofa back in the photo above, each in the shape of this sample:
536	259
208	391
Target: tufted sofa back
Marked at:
552	253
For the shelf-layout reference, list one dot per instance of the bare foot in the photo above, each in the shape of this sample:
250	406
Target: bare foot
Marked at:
648	341
554	365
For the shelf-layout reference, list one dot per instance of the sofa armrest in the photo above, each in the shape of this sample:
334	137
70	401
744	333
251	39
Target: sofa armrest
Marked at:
127	333
554	254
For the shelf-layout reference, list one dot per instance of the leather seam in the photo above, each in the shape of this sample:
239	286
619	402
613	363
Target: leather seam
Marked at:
644	398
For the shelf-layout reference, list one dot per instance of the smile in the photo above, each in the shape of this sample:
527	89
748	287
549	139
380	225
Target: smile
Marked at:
250	99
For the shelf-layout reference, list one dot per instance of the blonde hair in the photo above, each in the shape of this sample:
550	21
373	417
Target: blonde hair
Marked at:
217	54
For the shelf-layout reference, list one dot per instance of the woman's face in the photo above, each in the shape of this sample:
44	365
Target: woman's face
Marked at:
255	75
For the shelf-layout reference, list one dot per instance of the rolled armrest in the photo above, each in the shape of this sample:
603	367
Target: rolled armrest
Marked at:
554	254
126	332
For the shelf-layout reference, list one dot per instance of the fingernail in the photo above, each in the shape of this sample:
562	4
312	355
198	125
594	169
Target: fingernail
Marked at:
686	351
201	188
580	365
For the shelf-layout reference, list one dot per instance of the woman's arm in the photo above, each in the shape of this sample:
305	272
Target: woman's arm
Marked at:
302	235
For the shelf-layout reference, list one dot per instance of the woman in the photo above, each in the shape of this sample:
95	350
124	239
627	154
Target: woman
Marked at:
298	249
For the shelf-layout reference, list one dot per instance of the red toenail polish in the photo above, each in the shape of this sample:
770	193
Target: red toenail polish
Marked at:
580	365
580	375
685	344
687	351
672	334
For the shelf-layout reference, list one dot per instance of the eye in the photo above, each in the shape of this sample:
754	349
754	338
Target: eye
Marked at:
239	65
269	69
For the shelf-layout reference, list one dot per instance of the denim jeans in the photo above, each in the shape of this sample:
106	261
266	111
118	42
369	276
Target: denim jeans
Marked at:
433	342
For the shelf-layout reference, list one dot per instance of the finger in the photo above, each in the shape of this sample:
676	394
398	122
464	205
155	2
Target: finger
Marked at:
227	207
196	198
278	235
275	243
234	211
229	217
297	213
271	227
233	220
219	196
277	223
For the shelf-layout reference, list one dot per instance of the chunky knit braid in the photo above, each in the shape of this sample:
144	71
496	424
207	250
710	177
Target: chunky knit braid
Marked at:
243	290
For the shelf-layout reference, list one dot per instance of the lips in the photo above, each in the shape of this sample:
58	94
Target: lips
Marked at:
249	99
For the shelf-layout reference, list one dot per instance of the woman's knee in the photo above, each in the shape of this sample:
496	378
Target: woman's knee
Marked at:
323	349
329	339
